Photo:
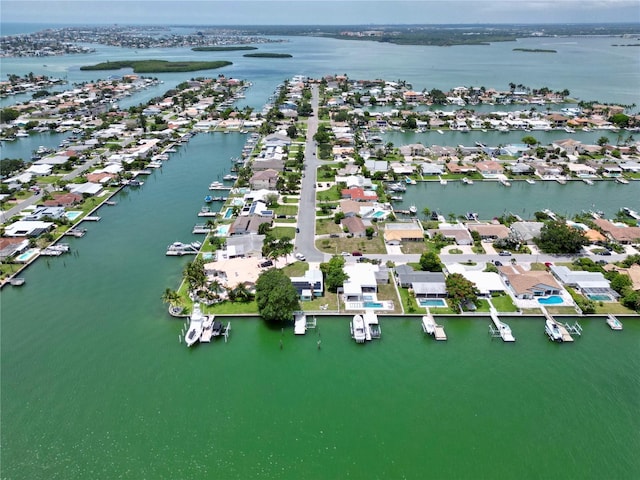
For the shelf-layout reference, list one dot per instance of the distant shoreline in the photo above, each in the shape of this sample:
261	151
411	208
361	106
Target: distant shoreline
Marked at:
535	50
157	66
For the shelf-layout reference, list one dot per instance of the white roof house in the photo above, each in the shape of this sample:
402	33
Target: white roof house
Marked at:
26	228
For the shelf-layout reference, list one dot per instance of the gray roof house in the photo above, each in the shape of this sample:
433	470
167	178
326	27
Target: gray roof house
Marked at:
424	284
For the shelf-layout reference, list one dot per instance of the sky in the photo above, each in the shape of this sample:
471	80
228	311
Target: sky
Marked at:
317	12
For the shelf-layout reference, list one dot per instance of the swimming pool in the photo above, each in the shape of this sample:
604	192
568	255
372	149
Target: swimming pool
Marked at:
237	202
432	302
551	300
72	215
373	305
379	214
228	214
600	298
26	256
222	230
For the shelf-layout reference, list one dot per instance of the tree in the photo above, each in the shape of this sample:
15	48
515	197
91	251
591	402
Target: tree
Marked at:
171	297
194	274
334	273
292	131
429	262
529	140
602	141
461	290
276	296
558	237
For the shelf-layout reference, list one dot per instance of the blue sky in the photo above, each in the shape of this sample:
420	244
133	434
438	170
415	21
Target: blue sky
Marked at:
332	12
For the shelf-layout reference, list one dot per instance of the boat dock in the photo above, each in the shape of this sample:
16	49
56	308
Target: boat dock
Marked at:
556	330
201	228
300	323
499	328
91	218
76	232
371	325
430	327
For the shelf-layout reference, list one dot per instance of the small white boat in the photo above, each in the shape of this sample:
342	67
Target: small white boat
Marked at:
530	181
195	326
613	322
179	248
505	182
622	180
587	181
467	181
569	130
440	132
553	331
413	209
357	329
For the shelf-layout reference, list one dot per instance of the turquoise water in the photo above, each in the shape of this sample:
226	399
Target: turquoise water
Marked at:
26	256
228	214
551	300
432	302
102	389
72	215
600	298
370	304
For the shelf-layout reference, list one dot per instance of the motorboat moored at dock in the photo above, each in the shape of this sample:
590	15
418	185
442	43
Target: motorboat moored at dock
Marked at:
430	327
613	322
357	329
196	319
179	248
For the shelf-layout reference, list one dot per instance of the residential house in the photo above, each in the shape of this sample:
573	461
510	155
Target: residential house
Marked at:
248	225
424	284
310	285
619	233
588	283
361	282
489	231
396	233
490	168
354	225
525	232
457	231
242	246
63	200
529	284
264	179
359	194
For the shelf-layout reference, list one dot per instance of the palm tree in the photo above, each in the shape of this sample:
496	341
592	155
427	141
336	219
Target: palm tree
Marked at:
242	293
171	297
426	212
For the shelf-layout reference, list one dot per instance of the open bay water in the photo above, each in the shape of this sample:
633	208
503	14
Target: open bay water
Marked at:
96	385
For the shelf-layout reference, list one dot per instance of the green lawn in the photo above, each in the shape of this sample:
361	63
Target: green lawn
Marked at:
325	226
286	210
328	195
343	244
612	307
504	303
280	232
296	269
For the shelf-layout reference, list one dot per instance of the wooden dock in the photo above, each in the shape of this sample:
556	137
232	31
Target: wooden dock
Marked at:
299	323
371	325
501	329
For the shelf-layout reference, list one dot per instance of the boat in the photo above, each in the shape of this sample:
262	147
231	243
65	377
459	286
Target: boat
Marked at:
430	327
552	330
371	325
505	182
397	198
357	329
217	328
413	209
230	176
136	183
530	181
613	322
471	216
586	129
587	181
17	281
195	326
207	329
179	249
217	186
561	180
208	199
569	130
440	132
443	181
397	187
467	181
409	181
622	180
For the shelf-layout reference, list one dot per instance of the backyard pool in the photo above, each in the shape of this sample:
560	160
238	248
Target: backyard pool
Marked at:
28	255
72	215
373	305
552	300
600	297
222	230
432	302
228	214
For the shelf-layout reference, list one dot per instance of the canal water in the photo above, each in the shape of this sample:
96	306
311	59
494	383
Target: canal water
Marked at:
96	385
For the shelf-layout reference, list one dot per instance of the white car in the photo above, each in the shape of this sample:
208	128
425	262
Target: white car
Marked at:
300	257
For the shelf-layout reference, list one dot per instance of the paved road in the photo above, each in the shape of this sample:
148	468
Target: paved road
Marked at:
305	239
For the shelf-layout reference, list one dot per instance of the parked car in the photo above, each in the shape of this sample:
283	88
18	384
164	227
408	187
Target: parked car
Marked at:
297	230
504	253
356	254
334	235
345	254
300	257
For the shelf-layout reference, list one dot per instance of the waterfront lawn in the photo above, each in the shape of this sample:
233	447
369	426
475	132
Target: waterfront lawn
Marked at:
328	299
504	303
388	292
409	303
561	310
233	308
612	307
483	306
